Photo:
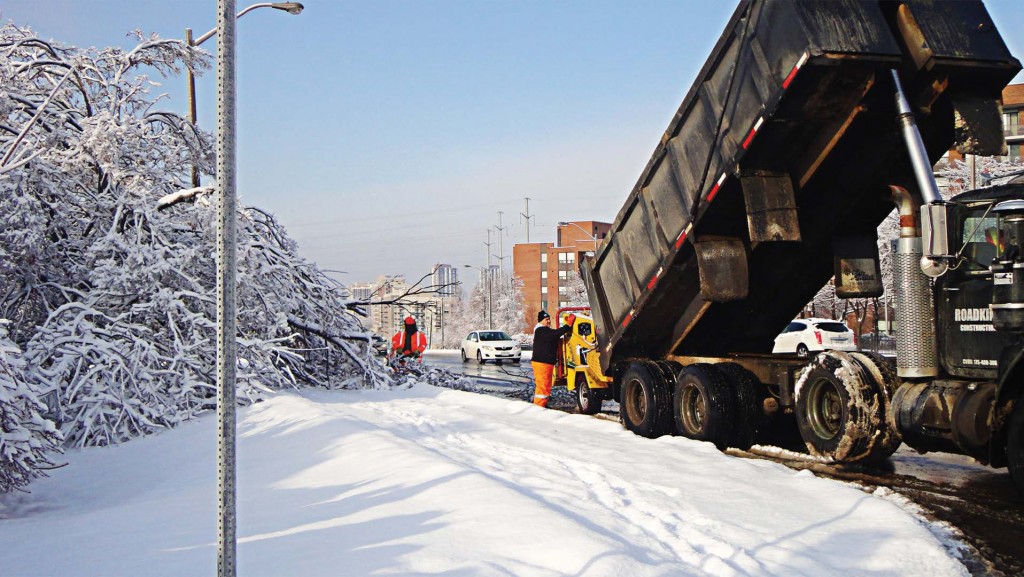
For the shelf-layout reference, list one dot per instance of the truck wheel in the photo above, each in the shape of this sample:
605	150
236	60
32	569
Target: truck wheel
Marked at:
587	401
749	421
1015	444
839	412
646	403
883	376
703	405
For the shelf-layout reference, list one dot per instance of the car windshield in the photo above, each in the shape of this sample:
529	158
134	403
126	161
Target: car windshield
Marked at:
494	336
832	327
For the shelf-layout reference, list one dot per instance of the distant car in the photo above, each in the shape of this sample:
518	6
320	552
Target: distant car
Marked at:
804	336
490	345
379	344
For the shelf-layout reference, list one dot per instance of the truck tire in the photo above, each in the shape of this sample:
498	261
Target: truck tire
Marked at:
839	411
645	402
882	373
749	421
1015	444
587	400
703	405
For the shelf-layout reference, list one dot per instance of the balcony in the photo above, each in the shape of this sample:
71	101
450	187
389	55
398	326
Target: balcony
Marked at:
1013	130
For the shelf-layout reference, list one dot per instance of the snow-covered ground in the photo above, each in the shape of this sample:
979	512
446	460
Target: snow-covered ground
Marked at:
428	481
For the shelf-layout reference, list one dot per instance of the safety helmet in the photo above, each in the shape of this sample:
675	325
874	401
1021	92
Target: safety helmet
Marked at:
410	321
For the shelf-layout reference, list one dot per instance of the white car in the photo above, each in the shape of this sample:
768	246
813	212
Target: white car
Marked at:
804	336
490	345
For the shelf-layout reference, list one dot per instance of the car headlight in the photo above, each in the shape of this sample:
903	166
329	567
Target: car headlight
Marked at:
487	348
515	348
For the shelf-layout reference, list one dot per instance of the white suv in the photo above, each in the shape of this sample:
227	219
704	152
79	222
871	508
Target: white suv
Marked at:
804	336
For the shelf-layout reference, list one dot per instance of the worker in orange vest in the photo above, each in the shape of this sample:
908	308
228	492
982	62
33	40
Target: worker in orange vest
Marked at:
545	354
409	341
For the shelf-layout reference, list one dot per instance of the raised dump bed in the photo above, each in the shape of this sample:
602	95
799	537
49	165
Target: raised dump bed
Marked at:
775	170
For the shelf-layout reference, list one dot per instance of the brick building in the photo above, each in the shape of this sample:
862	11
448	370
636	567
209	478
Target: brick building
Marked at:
547	269
1013	119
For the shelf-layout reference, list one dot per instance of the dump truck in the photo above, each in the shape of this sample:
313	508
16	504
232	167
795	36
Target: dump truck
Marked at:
809	123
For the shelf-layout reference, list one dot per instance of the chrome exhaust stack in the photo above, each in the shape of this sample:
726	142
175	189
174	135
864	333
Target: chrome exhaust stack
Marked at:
916	342
935	255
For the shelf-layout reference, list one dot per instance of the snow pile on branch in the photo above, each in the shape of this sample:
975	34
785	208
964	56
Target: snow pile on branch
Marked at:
109	292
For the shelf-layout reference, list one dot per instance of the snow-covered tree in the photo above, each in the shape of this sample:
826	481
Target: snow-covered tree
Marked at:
110	291
470	313
27	439
508	303
956	175
576	291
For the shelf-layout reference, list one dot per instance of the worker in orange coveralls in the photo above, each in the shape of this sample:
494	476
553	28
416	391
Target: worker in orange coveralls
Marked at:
545	354
408	342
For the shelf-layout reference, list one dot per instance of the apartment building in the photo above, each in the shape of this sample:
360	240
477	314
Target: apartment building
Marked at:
430	309
547	269
1013	119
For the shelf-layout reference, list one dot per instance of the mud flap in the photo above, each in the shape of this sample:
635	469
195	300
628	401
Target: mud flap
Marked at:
978	127
771	206
857	268
722	264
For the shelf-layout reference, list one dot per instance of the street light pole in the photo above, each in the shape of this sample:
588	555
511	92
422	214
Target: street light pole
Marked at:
226	276
592	237
289	7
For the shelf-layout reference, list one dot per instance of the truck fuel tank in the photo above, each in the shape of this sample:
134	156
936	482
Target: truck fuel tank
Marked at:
948	416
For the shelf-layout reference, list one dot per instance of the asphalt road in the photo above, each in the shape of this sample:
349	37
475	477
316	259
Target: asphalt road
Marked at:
507	374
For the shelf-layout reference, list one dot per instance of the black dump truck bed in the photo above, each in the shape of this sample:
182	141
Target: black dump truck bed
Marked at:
777	164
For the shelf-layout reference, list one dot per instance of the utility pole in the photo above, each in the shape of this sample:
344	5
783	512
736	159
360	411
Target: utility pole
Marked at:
487	278
501	244
527	216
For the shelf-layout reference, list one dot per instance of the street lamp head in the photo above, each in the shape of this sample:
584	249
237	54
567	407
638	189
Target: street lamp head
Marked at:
589	235
289	7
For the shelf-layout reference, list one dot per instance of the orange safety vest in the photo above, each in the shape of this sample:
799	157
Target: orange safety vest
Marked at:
418	345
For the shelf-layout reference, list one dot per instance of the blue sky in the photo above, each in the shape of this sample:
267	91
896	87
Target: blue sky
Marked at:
388	135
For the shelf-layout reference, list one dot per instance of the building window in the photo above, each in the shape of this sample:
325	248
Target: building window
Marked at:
1013	150
566	257
543	258
544	304
1011	123
544	275
563	275
544	290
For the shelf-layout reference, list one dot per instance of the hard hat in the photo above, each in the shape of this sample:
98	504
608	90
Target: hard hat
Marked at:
410	321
